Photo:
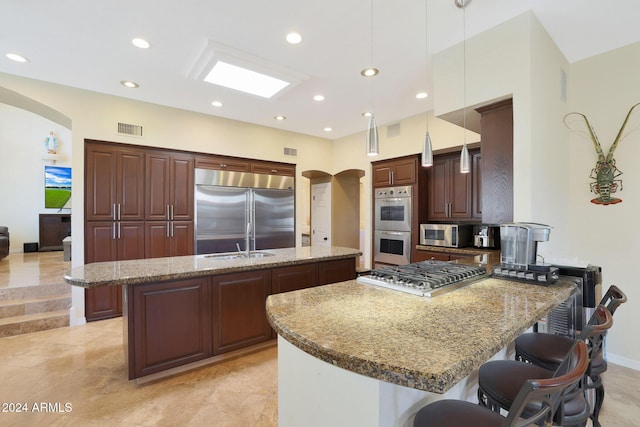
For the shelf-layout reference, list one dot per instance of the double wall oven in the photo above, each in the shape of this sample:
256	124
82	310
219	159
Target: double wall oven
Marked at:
392	225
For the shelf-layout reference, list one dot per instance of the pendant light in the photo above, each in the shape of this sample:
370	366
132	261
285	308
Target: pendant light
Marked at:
427	148
465	160
372	131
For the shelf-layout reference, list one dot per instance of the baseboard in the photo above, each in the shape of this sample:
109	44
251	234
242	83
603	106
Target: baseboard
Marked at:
623	361
76	321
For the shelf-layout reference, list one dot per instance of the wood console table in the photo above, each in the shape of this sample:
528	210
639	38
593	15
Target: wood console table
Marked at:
53	229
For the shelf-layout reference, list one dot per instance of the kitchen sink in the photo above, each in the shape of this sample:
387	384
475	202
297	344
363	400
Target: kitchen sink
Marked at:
240	255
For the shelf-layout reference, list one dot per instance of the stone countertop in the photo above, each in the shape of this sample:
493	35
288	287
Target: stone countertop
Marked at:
140	271
417	342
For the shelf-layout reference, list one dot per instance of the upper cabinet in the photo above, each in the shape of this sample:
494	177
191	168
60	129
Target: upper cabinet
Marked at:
269	168
451	193
114	183
169	186
496	124
222	163
395	172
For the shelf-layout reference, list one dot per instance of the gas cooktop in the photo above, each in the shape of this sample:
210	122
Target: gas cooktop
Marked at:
425	278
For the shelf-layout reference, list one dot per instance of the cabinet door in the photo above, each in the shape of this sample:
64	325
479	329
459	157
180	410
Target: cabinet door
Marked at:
459	194
182	238
272	168
239	310
181	187
438	189
131	240
476	192
404	172
162	342
100	185
157	186
156	238
382	175
337	270
292	278
130	185
222	163
102	302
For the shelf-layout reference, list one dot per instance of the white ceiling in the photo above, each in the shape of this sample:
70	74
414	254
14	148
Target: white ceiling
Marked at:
86	44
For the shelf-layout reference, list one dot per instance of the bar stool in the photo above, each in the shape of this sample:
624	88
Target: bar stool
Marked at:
498	381
545	395
547	350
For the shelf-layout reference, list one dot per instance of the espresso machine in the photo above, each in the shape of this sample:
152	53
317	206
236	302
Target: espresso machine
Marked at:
519	253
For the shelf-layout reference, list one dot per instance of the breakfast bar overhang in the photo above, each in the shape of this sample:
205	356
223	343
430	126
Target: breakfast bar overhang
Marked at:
360	355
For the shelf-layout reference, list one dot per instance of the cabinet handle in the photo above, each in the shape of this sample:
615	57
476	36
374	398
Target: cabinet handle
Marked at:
172	229
172	207
274	170
167	229
222	165
114	214
119	213
114	230
391	178
119	235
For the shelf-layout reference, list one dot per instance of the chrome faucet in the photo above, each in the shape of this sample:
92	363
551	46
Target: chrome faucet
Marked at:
238	247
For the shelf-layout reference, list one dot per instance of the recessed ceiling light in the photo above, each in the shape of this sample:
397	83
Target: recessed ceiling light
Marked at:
318	98
327	129
129	84
244	80
367	114
17	58
216	104
141	43
294	38
421	95
280	118
370	72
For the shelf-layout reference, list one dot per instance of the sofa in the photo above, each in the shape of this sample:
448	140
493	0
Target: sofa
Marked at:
4	242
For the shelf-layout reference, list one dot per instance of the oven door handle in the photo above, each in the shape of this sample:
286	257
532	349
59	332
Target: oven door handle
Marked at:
392	233
393	200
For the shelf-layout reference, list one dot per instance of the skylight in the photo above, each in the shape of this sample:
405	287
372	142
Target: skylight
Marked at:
245	80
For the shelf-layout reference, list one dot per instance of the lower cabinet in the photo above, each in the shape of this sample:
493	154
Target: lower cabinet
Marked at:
240	317
426	256
103	302
171	326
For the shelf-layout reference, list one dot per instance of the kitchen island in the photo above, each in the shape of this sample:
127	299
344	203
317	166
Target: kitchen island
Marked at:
191	310
359	355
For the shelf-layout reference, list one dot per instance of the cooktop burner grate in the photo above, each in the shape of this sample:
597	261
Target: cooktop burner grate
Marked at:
425	278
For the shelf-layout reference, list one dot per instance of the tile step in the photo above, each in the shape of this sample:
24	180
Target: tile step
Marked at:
24	324
25	292
19	307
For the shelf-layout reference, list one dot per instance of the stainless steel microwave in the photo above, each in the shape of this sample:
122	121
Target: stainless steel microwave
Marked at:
448	235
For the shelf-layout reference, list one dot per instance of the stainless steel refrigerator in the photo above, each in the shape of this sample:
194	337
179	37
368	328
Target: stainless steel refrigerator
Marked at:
236	209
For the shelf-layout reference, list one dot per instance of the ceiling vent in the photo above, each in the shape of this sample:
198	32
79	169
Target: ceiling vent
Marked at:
293	152
131	130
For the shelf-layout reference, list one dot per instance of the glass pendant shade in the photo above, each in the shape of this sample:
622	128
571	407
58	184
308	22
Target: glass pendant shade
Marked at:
427	151
372	137
465	160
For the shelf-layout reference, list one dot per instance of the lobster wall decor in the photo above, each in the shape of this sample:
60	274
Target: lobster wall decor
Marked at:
605	174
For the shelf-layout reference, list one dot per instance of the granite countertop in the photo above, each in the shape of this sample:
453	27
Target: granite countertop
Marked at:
175	268
427	344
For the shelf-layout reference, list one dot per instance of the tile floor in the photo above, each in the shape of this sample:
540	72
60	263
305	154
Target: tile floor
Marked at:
84	367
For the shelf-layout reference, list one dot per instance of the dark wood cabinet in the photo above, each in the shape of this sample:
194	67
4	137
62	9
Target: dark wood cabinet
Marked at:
476	184
496	128
110	241
337	270
240	317
168	238
114	184
160	341
222	163
169	186
450	192
273	168
395	172
53	228
421	255
294	277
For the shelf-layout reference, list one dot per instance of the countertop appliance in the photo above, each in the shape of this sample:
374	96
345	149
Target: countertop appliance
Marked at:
486	236
425	278
447	235
392	225
243	211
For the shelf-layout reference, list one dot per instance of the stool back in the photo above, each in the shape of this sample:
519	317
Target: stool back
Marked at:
613	298
547	394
